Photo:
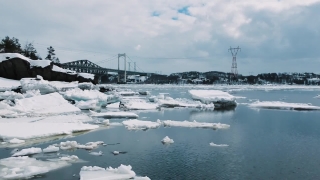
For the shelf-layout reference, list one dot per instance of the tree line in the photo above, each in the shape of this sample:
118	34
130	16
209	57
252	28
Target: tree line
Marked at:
12	45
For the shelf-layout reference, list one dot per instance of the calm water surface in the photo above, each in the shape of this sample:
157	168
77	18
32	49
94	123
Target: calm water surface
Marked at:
263	144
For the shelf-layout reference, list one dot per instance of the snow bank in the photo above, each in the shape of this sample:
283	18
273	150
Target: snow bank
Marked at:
219	98
86	75
8	84
138	124
52	103
195	124
25	167
40	63
218	145
51	149
95	172
120	114
33	84
167	140
137	104
59	69
39	130
283	105
7	56
28	151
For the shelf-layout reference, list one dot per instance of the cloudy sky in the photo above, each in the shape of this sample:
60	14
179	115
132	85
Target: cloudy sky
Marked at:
172	35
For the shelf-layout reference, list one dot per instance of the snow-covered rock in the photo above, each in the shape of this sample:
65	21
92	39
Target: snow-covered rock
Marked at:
195	124
219	98
283	105
167	140
139	124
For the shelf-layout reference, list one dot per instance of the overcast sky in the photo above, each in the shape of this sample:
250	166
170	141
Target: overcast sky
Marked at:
172	35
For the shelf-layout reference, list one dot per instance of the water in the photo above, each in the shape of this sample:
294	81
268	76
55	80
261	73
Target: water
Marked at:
263	144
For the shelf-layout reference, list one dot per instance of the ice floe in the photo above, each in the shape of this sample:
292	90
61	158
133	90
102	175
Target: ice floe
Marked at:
170	103
95	172
283	105
219	98
218	145
69	158
96	153
91	104
119	114
24	167
43	86
137	104
28	151
40	130
74	145
16	141
115	152
8	84
167	140
195	124
135	124
51	149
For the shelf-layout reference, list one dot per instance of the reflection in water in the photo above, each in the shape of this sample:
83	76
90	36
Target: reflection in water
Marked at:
211	115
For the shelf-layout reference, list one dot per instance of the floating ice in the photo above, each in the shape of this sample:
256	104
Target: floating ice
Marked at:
25	167
8	84
39	130
96	153
171	103
137	104
73	145
52	103
51	149
127	93
69	158
10	95
113	105
195	124
283	105
219	98
122	172
28	151
91	104
16	141
120	114
33	84
218	145
167	140
116	152
68	145
70	118
138	124
318	96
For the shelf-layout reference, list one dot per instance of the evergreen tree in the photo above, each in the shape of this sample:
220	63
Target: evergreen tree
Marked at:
8	45
51	55
30	52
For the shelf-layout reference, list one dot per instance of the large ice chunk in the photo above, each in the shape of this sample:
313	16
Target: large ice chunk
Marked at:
95	172
137	104
24	167
28	151
283	105
8	84
52	103
218	145
138	124
195	124
118	114
167	140
219	98
37	83
171	103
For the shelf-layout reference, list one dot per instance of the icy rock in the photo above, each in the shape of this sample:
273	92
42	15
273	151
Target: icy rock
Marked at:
218	145
219	98
51	149
28	151
283	105
139	124
167	140
195	124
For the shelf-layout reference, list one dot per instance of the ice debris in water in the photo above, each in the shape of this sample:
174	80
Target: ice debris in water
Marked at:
28	151
96	153
114	114
167	140
134	124
69	158
50	149
24	167
73	145
218	145
115	152
219	98
283	105
122	172
195	124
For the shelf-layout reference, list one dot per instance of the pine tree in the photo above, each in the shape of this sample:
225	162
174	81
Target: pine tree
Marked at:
30	52
51	54
8	45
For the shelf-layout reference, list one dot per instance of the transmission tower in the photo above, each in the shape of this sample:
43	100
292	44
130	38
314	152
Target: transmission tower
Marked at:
125	69
234	52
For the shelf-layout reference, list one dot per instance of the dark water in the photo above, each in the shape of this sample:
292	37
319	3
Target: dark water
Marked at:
263	144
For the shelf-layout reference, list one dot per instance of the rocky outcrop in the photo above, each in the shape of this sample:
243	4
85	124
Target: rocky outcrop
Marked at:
17	68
